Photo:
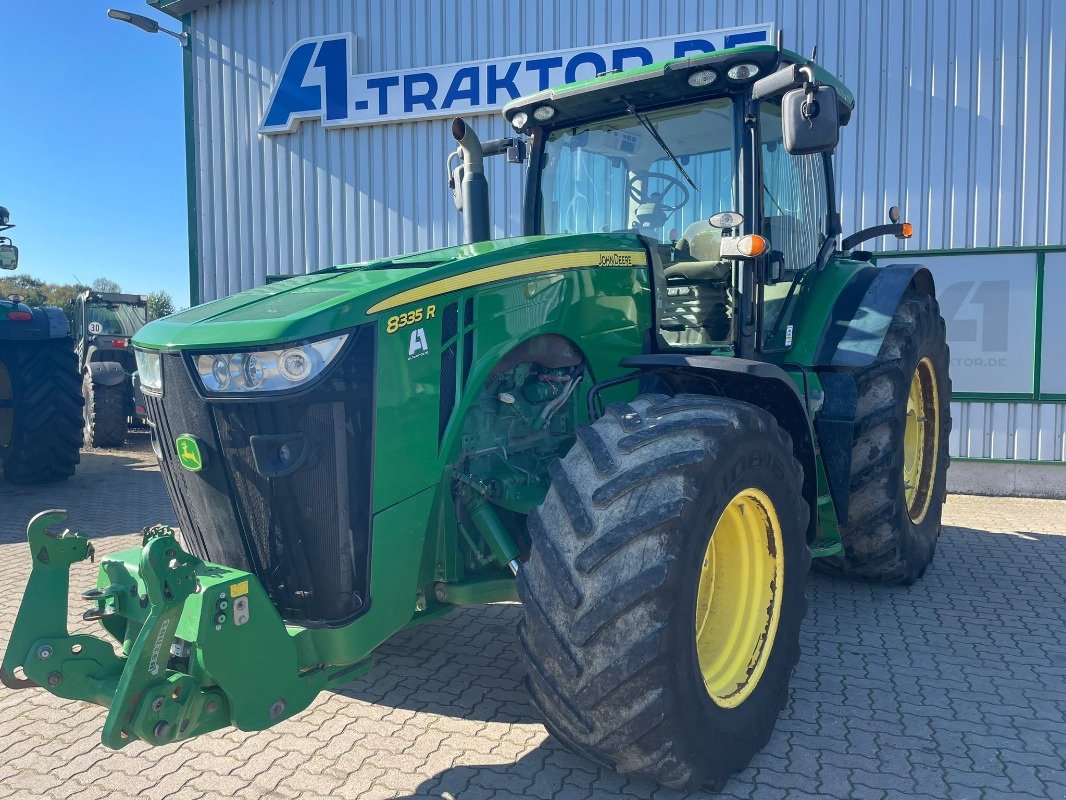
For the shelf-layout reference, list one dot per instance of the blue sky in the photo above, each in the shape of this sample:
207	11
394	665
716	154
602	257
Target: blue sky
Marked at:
92	149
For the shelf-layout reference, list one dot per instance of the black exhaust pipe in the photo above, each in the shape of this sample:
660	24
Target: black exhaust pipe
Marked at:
474	188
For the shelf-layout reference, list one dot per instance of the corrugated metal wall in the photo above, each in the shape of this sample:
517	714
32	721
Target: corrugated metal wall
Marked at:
962	108
1016	431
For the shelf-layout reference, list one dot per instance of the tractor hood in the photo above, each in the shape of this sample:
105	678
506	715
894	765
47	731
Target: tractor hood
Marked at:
342	297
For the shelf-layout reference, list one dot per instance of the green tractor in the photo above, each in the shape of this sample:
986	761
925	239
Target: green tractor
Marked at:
642	419
104	324
40	405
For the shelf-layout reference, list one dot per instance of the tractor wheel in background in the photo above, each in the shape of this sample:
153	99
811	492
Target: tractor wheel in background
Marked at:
899	461
105	413
40	411
664	589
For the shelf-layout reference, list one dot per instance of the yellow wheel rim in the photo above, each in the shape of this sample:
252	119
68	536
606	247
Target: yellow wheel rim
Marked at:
921	438
7	410
738	604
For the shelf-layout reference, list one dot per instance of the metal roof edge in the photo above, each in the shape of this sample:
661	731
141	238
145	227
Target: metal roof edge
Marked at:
179	8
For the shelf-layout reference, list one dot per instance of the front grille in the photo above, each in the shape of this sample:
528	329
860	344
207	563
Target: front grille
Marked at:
306	534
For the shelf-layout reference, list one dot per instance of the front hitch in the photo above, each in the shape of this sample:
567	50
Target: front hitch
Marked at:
198	646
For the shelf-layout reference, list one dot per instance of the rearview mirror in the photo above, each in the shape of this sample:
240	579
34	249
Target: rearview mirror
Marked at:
810	121
9	256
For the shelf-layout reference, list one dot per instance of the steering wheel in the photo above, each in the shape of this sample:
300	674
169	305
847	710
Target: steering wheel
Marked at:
643	196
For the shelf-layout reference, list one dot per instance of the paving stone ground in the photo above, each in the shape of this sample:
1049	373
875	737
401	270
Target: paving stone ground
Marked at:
953	688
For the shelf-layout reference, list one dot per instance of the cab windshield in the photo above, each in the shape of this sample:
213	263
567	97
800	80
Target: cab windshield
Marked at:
617	175
116	319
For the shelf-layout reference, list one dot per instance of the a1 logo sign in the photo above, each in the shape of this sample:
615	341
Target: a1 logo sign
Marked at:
418	346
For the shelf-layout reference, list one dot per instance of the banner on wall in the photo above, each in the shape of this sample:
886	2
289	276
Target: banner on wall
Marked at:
318	81
989	304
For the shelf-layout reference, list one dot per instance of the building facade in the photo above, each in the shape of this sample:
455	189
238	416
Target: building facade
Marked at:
317	135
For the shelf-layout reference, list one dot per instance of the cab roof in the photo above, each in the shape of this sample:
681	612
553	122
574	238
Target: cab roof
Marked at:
663	83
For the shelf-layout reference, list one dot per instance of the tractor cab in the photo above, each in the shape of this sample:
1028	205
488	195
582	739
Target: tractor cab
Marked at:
104	322
720	162
114	315
663	174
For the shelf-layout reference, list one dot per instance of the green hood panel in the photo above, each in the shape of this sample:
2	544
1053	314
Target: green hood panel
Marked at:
297	308
338	298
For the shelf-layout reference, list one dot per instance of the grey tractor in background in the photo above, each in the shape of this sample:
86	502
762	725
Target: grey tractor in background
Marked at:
103	325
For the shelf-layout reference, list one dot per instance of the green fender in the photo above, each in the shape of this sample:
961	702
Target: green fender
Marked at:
858	320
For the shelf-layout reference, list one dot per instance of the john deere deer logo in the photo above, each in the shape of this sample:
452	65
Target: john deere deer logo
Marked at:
189	452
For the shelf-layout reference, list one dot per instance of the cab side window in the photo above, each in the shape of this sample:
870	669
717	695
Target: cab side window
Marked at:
794	197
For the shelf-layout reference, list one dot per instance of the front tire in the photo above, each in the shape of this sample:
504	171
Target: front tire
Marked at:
40	411
899	460
652	519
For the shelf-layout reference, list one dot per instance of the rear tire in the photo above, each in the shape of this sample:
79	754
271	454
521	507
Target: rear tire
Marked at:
613	642
40	380
105	413
893	523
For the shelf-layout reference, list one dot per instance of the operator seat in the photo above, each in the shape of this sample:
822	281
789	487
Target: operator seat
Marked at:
698	289
704	245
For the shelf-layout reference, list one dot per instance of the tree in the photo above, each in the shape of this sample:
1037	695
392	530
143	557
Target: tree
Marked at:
36	292
106	285
160	304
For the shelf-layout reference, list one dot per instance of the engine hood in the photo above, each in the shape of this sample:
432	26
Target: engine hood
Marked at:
342	297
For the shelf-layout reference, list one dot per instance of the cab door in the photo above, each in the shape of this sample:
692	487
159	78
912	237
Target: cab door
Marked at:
796	219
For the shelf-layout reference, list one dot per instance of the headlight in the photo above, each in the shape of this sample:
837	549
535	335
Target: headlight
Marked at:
149	370
266	370
543	113
743	72
705	77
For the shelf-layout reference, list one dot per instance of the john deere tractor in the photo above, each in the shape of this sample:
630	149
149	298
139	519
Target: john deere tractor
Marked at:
40	405
643	418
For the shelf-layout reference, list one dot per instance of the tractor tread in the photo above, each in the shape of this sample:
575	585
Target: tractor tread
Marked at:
626	532
47	435
105	413
602	576
881	544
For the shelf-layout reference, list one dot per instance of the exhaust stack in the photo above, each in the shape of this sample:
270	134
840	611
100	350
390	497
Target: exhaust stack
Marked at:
468	183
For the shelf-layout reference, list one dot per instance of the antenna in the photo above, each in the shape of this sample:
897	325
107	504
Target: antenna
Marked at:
814	54
780	40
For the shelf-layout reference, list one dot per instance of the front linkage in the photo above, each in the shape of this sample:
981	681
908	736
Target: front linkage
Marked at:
202	646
